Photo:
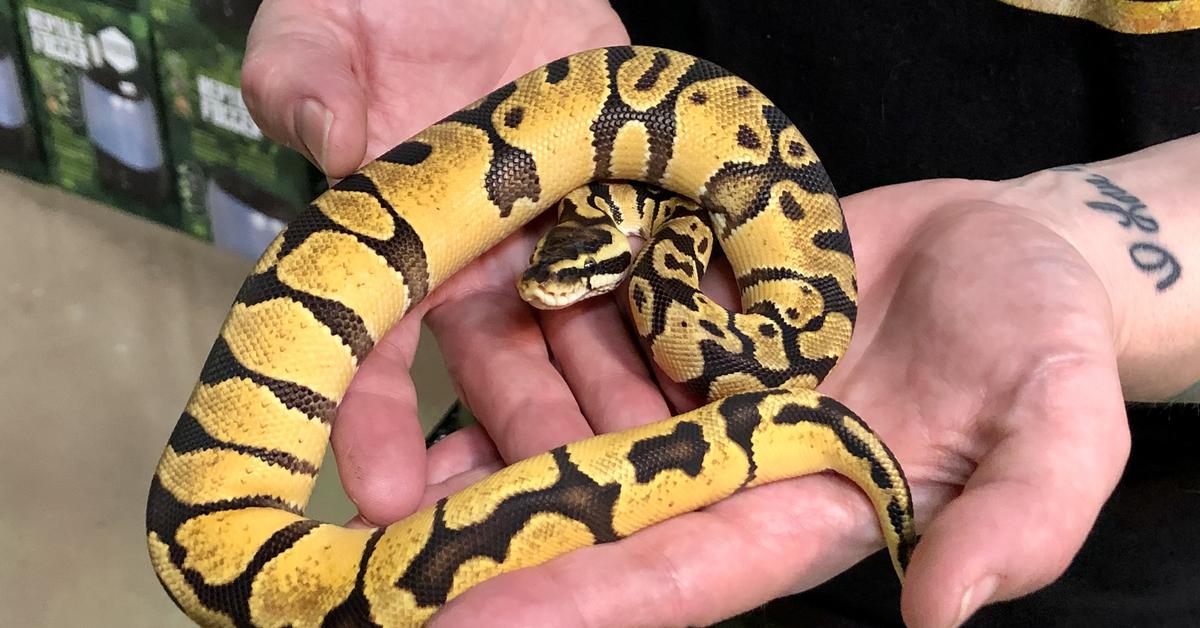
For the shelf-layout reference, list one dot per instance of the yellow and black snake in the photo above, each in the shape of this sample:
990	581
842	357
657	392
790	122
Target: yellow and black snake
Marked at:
224	520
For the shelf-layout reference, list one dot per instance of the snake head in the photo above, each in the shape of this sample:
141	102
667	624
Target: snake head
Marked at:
574	262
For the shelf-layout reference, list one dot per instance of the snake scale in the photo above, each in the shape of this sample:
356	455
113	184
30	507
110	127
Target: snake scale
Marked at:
225	525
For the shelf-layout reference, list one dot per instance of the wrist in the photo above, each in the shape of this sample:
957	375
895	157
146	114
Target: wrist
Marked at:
1132	220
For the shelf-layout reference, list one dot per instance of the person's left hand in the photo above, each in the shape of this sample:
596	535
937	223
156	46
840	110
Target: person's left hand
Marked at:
983	356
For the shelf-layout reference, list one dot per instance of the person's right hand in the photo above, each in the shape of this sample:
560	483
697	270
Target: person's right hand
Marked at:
342	82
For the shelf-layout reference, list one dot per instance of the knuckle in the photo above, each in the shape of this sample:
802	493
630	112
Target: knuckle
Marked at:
255	76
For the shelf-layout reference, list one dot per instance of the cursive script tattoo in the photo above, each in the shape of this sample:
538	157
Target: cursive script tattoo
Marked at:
1151	259
1128	208
1133	215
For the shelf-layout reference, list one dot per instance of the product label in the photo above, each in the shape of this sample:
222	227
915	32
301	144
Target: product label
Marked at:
59	38
221	104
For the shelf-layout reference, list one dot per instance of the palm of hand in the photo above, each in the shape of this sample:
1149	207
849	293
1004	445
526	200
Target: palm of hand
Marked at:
396	50
983	357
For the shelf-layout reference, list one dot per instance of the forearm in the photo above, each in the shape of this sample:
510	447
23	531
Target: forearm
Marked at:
1136	220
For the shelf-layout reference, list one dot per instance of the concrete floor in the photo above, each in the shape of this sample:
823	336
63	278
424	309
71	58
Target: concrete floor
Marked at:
105	320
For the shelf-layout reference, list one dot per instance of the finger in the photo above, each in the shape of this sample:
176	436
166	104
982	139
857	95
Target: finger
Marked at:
299	84
496	354
454	463
458	482
1032	501
459	452
695	569
377	439
603	365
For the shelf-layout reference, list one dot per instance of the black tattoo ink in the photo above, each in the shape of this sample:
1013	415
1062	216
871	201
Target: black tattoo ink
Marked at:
1128	207
1152	258
1132	213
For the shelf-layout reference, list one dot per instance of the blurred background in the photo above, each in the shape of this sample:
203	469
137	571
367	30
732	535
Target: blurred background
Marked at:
135	193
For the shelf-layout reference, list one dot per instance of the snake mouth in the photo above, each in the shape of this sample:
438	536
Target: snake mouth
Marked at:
555	295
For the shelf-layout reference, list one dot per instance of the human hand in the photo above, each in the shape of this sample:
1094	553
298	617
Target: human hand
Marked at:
342	82
999	323
984	338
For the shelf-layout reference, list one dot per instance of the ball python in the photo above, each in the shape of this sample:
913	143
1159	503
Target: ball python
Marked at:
226	532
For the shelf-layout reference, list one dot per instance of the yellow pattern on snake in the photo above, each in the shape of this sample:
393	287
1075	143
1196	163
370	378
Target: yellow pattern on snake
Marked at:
225	527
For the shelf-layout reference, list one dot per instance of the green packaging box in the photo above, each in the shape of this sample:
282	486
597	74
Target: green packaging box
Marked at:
97	102
20	148
236	187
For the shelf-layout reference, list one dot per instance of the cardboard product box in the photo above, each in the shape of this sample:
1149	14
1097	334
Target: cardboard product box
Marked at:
97	102
20	147
236	187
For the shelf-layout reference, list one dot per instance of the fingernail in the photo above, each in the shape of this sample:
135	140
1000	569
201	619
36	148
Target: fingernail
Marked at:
313	122
976	596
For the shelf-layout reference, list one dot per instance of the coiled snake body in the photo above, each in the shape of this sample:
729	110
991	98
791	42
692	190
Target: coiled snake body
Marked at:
224	520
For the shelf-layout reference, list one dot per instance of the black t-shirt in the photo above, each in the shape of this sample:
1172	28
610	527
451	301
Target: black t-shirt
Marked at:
889	92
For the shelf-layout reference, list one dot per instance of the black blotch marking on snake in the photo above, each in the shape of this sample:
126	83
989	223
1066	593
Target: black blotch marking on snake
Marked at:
221	366
556	71
659	120
355	610
833	241
834	297
720	360
189	435
725	192
791	208
576	496
639	298
513	118
408	153
344	322
512	172
684	449
404	251
648	79
741	419
747	138
712	328
674	263
240	588
832	413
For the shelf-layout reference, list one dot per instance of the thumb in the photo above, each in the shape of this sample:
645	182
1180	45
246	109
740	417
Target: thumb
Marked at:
1030	504
300	87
